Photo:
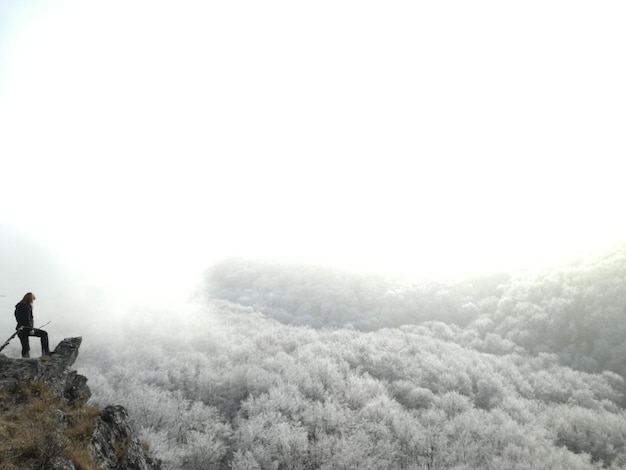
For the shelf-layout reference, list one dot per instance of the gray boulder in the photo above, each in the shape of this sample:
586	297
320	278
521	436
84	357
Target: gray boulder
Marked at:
52	370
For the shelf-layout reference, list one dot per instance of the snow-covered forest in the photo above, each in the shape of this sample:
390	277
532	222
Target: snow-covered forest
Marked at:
295	367
143	142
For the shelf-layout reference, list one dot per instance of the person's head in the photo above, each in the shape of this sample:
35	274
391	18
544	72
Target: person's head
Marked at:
28	298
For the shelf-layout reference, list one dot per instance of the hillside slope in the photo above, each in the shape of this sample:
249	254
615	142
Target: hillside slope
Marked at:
45	421
239	390
577	312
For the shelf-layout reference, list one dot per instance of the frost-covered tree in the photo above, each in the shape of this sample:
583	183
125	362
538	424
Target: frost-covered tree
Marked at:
245	391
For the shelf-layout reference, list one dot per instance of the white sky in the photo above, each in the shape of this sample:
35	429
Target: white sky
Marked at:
141	140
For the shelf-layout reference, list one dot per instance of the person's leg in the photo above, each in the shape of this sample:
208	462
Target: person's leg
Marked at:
23	336
45	350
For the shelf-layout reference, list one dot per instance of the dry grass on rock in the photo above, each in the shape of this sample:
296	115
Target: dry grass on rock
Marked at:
37	428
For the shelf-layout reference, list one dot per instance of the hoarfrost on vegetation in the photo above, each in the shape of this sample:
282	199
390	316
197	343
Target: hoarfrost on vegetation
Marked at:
243	390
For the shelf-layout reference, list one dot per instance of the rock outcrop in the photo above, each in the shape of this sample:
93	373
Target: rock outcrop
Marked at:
111	444
52	370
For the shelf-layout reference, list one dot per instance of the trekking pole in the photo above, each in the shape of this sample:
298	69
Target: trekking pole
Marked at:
8	340
15	334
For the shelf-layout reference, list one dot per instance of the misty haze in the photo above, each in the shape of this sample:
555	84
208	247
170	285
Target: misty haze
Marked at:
328	235
277	365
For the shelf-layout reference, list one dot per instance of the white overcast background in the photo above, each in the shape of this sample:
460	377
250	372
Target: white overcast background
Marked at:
142	140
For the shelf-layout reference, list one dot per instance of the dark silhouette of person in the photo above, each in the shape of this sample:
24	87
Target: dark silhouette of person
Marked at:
25	327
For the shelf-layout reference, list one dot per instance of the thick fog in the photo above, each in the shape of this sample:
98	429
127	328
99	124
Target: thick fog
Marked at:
63	297
405	138
300	366
326	235
304	366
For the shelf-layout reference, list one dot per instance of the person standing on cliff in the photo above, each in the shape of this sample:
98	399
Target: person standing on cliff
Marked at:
25	326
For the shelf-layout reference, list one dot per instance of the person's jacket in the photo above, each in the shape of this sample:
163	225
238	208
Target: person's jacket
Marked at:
24	315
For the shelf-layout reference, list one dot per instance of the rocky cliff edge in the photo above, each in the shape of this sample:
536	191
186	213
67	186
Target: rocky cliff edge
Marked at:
45	421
